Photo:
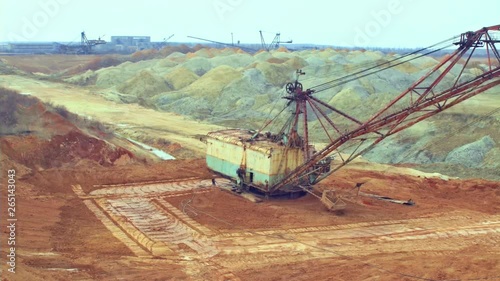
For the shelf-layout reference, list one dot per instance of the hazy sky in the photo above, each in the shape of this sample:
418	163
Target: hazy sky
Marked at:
385	23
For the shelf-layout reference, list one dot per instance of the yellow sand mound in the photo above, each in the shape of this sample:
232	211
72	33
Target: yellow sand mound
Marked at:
180	77
212	83
144	85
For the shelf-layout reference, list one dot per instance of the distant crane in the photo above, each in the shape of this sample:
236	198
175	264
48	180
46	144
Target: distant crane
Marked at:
168	38
88	44
164	43
275	44
85	46
225	44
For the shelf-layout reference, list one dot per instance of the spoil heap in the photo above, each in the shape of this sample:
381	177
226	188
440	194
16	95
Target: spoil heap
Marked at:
233	88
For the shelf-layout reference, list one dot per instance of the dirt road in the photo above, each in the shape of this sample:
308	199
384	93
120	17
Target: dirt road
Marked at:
130	119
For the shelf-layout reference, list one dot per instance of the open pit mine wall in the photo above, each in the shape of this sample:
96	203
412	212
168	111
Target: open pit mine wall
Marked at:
265	162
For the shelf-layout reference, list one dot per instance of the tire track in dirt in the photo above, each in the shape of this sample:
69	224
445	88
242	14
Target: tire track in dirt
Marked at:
151	222
115	230
183	217
261	248
149	189
161	227
156	249
136	215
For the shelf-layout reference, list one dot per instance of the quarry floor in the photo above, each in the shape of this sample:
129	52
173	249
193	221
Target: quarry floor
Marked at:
85	224
165	221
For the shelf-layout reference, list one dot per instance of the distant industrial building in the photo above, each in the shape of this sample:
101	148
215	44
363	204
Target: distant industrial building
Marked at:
131	40
31	47
4	47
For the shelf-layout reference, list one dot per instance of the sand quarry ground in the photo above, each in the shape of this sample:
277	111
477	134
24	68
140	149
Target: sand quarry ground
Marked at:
165	221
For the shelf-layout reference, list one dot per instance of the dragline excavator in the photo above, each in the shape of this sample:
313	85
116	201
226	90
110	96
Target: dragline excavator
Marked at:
85	46
286	163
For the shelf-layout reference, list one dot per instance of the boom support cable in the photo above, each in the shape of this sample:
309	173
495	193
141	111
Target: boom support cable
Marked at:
365	73
419	109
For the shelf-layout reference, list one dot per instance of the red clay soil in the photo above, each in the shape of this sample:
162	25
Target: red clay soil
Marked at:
60	149
59	238
47	64
51	140
434	197
394	267
57	233
432	193
57	223
431	196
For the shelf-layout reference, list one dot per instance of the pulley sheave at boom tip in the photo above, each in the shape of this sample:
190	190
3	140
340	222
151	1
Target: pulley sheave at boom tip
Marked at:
424	100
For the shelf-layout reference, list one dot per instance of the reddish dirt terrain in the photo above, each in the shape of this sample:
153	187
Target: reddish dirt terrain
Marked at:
48	64
67	233
97	211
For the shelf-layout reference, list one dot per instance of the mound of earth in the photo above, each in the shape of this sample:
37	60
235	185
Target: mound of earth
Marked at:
144	85
72	147
231	88
180	77
206	72
41	137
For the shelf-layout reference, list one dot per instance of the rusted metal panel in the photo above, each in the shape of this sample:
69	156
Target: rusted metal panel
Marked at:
227	151
258	161
265	161
283	161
